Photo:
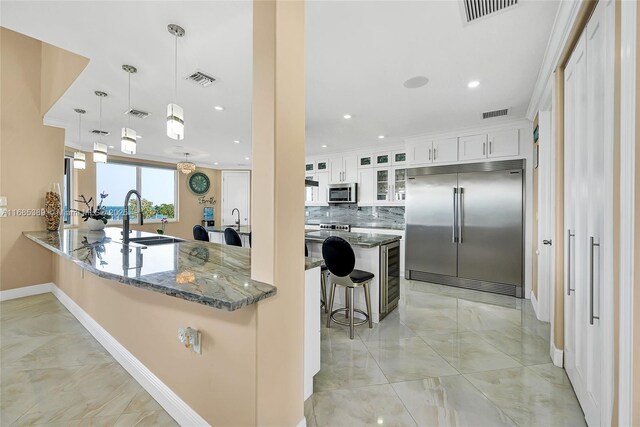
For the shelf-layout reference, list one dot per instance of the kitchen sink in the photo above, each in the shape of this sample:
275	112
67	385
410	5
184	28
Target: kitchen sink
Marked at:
154	240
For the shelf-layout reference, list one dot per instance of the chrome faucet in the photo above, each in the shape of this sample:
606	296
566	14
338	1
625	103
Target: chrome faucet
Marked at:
238	221
125	220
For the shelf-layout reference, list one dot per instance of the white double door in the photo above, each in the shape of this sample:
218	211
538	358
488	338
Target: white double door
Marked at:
586	199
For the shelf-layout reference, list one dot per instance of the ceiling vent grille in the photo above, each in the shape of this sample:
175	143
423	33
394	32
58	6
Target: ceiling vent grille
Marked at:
201	79
137	113
496	113
476	9
100	132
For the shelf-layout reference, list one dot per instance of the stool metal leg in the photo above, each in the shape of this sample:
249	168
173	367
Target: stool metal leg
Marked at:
323	291
333	294
346	302
351	304
367	298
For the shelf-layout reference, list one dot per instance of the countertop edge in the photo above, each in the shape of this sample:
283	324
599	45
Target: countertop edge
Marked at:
156	288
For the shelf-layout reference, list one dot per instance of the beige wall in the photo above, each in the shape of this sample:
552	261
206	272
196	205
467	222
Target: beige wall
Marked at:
278	207
636	246
219	384
27	148
189	210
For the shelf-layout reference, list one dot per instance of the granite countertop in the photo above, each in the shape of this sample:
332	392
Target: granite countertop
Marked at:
244	229
310	263
359	224
362	240
207	273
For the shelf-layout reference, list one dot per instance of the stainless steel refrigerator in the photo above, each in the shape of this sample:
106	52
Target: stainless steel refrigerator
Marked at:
465	226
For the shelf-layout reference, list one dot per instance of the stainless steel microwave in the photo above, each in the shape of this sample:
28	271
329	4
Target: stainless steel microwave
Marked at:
343	193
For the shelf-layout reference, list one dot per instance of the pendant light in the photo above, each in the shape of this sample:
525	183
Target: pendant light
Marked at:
128	139
100	149
78	156
175	115
186	167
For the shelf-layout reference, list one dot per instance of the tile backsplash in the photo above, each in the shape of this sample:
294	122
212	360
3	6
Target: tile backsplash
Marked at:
357	216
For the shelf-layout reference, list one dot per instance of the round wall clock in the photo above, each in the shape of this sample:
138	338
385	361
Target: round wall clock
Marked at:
198	183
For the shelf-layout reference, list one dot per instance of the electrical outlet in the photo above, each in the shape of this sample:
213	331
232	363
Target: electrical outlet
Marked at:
191	339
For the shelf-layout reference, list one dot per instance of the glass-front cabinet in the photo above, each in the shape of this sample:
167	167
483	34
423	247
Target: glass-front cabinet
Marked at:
390	186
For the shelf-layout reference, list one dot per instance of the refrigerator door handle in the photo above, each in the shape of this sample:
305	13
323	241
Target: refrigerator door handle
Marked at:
460	213
455	216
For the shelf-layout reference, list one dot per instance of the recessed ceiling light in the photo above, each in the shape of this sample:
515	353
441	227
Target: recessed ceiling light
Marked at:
246	158
347	116
111	146
324	145
473	84
380	136
138	136
218	108
236	142
215	163
416	82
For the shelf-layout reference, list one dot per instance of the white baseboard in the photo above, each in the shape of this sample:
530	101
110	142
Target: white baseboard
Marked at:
302	423
534	303
170	402
26	291
557	356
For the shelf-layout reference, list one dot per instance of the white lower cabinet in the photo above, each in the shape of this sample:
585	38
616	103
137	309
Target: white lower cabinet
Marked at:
387	231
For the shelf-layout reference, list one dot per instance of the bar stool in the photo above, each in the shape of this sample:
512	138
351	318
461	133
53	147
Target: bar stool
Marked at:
340	260
231	237
200	233
323	285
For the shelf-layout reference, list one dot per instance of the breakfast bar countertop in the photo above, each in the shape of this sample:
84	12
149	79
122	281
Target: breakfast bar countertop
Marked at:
206	273
363	240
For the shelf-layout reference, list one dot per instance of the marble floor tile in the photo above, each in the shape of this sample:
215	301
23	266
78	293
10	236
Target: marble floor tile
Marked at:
372	405
54	373
429	319
151	419
449	401
529	398
390	330
346	364
409	359
468	352
309	413
475	316
526	348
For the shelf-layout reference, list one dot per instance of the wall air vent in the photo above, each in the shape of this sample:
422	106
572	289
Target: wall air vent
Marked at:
137	113
476	9
201	79
496	113
100	132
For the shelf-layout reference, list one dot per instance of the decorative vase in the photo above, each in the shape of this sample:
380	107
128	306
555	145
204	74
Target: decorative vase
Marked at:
53	207
95	224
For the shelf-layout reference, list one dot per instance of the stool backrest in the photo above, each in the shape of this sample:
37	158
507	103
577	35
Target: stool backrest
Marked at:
231	237
338	256
199	233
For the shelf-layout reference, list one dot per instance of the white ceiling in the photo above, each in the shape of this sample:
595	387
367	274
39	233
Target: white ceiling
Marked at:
358	55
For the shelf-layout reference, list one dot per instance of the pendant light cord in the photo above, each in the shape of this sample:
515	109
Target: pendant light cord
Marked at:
129	115
100	137
79	130
175	80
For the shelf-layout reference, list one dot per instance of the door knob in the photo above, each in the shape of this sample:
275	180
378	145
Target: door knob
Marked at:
546	242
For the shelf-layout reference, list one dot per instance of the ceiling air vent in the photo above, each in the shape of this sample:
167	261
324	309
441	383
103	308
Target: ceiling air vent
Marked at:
496	113
100	132
137	113
476	9
201	79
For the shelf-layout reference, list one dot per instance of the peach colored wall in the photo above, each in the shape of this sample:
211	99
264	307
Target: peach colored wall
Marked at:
278	206
219	384
636	262
189	210
27	148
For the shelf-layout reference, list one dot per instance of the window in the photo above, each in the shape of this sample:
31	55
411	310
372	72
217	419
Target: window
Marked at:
157	186
67	189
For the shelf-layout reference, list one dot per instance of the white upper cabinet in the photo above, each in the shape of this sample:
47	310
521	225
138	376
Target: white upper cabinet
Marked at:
503	143
382	159
343	169
309	167
323	182
420	152
472	147
445	150
366	186
365	161
322	165
399	157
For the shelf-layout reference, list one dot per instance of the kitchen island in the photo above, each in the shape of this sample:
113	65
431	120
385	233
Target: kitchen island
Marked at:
216	233
376	253
133	298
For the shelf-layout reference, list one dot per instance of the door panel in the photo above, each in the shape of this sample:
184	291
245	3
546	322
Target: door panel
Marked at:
504	143
350	168
235	194
430	224
472	147
445	150
490	215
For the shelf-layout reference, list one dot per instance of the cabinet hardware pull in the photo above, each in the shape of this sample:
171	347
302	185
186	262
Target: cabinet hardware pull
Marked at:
435	153
429	153
592	244
484	148
490	146
547	242
460	213
455	216
569	236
